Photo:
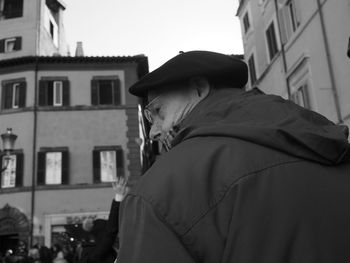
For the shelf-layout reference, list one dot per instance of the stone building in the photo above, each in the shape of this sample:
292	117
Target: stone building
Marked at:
297	49
77	127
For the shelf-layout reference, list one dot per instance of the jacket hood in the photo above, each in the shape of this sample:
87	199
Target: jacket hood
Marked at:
270	121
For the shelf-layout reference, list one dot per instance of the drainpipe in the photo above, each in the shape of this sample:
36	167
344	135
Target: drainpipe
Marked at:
32	212
285	68
329	63
37	53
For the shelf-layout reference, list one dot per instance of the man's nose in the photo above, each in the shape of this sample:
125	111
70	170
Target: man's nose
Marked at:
155	133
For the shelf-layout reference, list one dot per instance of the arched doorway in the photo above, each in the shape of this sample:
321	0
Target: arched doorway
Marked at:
14	226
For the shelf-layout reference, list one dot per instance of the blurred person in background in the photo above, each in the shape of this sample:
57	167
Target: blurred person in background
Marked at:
105	246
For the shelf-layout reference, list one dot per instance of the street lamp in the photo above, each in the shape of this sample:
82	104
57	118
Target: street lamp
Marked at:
8	142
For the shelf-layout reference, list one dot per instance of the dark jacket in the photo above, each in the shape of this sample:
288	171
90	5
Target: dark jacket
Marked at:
251	178
102	251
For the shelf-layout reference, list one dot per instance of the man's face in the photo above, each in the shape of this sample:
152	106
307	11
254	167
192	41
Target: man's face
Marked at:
166	109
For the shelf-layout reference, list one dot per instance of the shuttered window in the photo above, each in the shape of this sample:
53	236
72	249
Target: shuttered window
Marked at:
12	8
290	20
108	163
53	166
246	22
301	96
13	94
12	176
271	41
54	92
252	70
105	91
10	44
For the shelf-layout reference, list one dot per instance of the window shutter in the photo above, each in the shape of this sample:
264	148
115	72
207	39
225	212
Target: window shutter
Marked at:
284	37
22	94
41	168
96	163
297	12
120	162
3	95
2	45
18	43
8	96
116	92
43	92
65	167
94	92
66	92
19	169
287	22
1	155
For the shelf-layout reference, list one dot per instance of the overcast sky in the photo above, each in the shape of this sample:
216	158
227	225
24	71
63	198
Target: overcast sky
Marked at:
157	28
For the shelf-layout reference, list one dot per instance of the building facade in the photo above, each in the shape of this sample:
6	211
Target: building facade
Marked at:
32	28
77	126
297	49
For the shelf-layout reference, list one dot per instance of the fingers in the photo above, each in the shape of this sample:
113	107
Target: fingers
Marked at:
120	181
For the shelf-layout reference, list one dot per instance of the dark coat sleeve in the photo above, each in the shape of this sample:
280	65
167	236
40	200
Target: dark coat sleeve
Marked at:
103	251
145	237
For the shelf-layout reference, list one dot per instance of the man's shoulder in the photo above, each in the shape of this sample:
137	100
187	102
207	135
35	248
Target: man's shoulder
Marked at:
186	181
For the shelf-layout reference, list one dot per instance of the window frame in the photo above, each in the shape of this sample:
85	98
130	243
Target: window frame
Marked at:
300	76
42	165
246	22
18	169
15	95
289	19
272	23
8	41
60	88
4	44
247	13
303	100
11	14
47	88
291	5
253	55
116	90
12	90
96	162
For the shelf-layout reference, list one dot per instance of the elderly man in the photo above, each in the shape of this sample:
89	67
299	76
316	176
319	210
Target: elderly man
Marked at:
247	177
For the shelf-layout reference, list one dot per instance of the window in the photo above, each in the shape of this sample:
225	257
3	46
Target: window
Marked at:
246	22
300	97
105	91
292	14
53	166
289	20
57	93
12	8
13	94
54	92
271	40
252	71
10	44
50	24
12	176
108	163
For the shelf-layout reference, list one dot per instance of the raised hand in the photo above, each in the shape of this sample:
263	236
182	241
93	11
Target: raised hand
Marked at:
120	188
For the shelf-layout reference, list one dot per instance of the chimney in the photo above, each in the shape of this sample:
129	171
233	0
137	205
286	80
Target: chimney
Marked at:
79	52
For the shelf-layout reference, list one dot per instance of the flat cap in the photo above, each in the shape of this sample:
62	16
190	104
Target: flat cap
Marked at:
220	67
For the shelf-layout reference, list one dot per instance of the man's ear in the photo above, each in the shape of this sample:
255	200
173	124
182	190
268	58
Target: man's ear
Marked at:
201	86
